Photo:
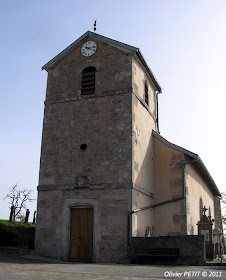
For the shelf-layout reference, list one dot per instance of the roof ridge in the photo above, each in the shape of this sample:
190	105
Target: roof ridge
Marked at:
111	41
89	33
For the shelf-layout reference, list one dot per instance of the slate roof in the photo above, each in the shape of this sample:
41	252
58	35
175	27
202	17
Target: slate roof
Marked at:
111	41
195	159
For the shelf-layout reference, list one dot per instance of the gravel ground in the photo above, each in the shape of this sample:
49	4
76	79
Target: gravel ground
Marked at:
30	267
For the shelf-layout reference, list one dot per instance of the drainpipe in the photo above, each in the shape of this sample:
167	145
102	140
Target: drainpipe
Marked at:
158	204
157	111
129	232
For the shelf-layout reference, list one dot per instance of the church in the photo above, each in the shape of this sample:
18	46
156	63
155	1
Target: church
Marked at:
107	177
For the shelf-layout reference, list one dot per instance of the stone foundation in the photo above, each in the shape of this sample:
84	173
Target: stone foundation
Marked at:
191	249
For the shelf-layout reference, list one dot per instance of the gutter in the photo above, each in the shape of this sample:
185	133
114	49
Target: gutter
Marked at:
140	56
157	110
195	158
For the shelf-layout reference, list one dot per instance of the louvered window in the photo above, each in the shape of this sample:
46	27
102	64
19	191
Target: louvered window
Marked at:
146	97
88	80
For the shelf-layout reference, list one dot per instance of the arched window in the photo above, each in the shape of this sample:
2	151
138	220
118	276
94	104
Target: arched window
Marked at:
88	80
146	96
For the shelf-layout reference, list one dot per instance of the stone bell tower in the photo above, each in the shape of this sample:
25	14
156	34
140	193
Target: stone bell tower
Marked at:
96	156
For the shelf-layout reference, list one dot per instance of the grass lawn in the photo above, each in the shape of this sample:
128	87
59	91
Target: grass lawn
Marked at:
14	223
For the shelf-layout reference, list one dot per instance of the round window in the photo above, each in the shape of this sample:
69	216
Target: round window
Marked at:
83	147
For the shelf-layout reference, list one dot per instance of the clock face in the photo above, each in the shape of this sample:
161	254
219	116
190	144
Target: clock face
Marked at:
89	48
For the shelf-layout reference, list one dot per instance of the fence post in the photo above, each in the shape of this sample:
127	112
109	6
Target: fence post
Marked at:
27	216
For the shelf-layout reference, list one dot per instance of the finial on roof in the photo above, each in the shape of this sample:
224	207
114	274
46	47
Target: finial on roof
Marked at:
95	24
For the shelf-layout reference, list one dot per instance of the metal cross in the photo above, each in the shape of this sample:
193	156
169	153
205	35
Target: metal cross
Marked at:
204	210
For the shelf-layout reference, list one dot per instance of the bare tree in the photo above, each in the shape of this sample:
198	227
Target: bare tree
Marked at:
18	198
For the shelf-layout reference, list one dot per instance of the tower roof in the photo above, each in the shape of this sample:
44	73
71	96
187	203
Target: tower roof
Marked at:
108	40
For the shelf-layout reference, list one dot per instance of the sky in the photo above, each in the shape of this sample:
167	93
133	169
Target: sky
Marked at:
183	42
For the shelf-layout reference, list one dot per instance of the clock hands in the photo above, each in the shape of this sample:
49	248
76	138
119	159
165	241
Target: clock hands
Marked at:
89	48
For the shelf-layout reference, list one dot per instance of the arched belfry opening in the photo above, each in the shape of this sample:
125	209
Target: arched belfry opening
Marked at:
88	81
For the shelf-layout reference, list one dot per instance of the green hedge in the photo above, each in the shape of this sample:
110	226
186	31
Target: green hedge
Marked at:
16	234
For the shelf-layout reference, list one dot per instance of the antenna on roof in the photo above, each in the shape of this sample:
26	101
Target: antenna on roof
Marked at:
95	24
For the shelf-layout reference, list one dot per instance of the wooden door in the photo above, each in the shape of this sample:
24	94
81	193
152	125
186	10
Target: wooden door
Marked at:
81	245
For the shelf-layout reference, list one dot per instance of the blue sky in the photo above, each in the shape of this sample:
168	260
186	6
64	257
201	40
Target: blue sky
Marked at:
183	42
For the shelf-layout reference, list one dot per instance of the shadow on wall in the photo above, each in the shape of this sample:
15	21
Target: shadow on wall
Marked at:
143	192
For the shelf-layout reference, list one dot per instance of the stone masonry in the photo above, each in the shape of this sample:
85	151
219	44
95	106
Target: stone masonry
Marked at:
106	175
99	176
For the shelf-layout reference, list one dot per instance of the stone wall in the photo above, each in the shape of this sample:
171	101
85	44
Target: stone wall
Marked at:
143	122
99	176
199	194
170	218
191	249
103	124
110	221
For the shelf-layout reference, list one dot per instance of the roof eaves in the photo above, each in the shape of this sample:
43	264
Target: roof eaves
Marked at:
198	162
95	35
111	41
176	147
141	57
65	50
206	174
